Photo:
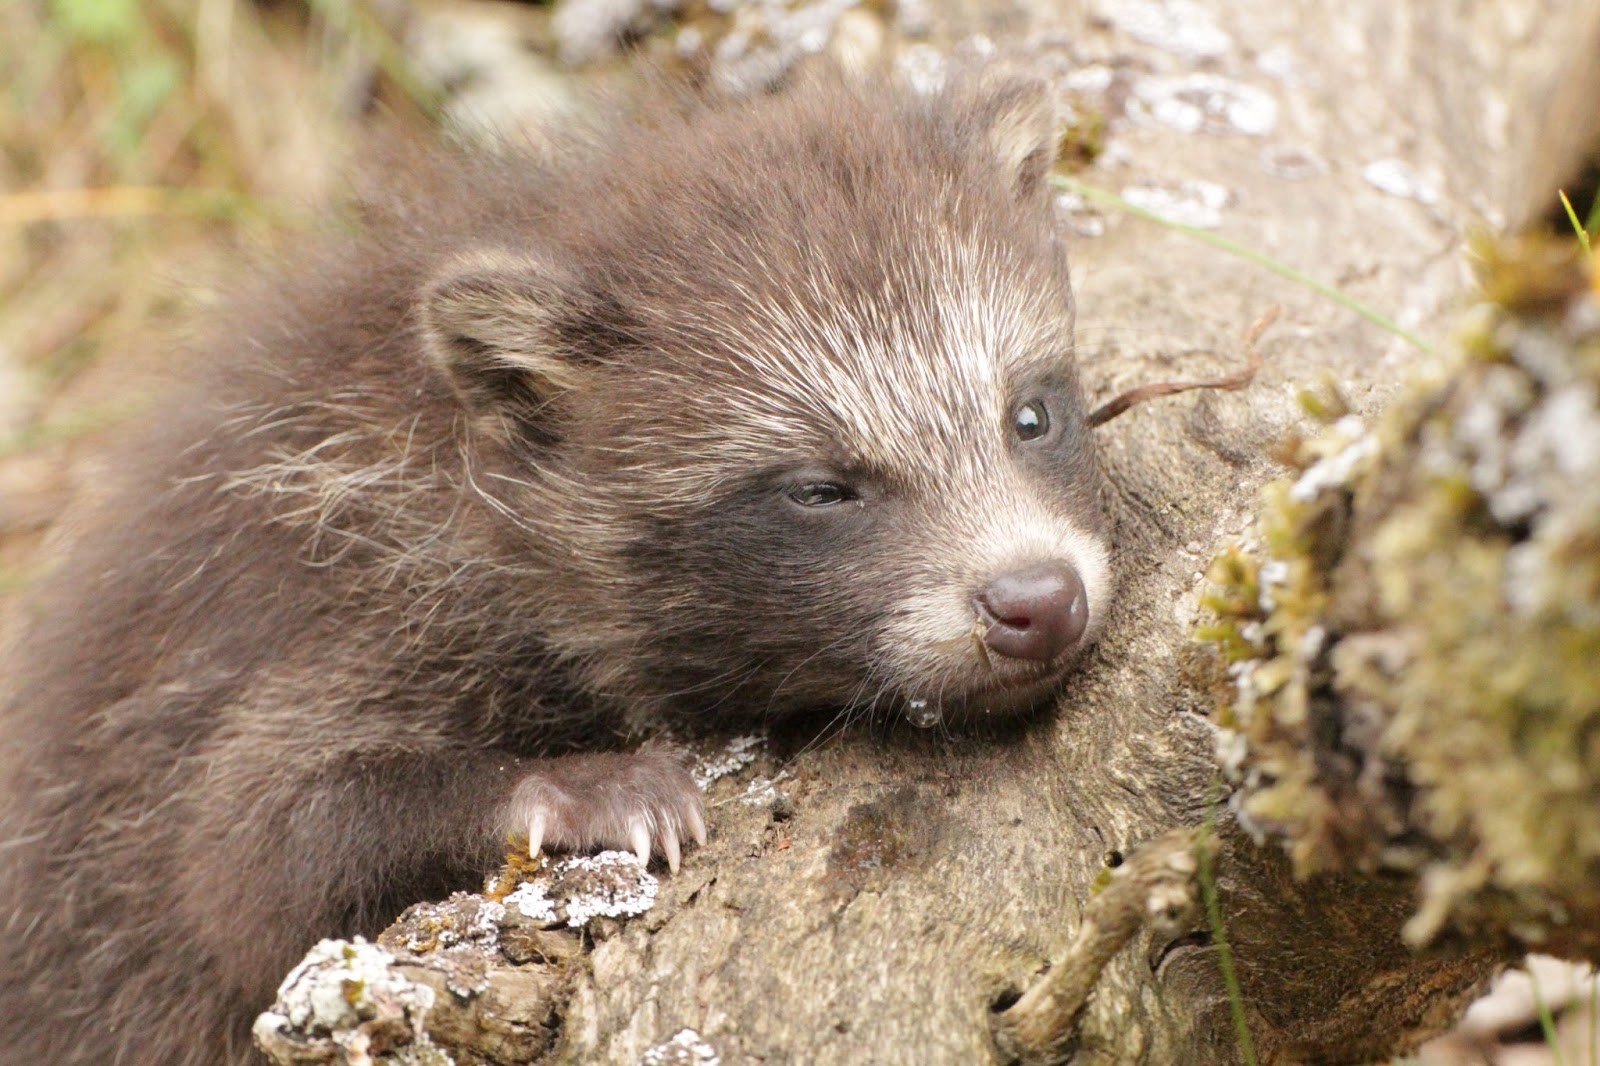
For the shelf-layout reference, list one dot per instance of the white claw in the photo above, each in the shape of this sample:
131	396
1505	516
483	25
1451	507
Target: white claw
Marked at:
669	844
639	835
536	834
697	827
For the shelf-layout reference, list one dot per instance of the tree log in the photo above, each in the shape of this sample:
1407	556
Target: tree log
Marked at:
908	896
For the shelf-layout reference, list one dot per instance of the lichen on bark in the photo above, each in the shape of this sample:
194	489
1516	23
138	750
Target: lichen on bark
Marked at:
1413	650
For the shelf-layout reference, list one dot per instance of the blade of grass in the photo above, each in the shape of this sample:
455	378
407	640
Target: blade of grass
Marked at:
1547	1021
1594	987
1580	228
1249	255
1219	935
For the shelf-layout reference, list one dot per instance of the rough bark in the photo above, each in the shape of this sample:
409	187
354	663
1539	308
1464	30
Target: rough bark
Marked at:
907	888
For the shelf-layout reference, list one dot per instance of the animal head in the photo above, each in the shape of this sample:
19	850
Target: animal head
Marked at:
788	391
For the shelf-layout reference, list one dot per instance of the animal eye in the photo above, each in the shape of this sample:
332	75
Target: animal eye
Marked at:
821	494
1030	421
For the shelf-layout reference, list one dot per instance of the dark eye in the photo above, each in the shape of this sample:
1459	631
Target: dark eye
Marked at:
821	494
1030	421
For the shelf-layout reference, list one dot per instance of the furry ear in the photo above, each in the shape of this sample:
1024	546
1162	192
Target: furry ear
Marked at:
492	321
1023	132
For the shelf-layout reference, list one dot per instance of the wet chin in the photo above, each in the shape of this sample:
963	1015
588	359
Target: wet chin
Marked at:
1002	699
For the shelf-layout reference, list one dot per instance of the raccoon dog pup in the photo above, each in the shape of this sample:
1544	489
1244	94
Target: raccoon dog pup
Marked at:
763	409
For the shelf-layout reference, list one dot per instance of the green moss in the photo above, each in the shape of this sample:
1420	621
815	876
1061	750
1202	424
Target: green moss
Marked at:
1083	137
1415	649
1325	404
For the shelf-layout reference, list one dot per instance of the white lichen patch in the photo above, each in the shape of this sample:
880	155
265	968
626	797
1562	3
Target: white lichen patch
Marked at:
688	1048
1182	27
344	991
577	889
464	920
735	756
1283	63
1525	454
1563	435
1274	573
1191	203
762	791
769	37
923	68
1204	103
587	30
1090	78
1335	471
498	85
338	981
531	899
1534	458
1083	219
1399	178
759	793
1233	749
611	884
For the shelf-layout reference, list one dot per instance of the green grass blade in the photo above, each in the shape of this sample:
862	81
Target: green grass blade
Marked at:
1580	228
1219	935
1594	978
1594	1017
1249	255
1547	1021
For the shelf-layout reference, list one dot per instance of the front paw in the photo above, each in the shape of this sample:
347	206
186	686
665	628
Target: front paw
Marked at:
643	802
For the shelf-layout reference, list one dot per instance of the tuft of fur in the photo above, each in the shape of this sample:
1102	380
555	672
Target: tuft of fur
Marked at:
461	503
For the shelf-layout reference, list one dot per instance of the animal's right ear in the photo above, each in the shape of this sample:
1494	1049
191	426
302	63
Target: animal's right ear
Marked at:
1024	134
493	322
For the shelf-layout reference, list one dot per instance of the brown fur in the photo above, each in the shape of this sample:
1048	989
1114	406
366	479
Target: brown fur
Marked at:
460	503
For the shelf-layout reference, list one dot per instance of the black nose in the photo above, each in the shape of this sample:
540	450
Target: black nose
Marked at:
1034	613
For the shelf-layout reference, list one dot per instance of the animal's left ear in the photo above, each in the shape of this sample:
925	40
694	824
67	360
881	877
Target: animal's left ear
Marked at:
492	321
1023	132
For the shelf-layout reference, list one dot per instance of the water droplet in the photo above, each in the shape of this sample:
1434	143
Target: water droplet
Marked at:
922	714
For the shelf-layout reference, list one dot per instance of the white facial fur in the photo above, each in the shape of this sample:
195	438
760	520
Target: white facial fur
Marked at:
921	390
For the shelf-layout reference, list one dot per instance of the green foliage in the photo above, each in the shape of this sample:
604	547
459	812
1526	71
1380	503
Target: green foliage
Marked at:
147	84
103	22
115	113
145	72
